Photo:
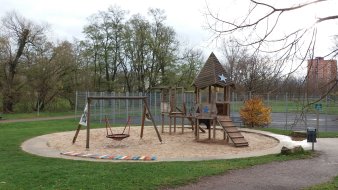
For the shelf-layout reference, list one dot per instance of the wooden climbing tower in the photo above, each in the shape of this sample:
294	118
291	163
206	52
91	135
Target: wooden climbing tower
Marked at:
212	91
172	106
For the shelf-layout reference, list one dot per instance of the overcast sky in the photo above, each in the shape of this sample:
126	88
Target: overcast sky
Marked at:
68	17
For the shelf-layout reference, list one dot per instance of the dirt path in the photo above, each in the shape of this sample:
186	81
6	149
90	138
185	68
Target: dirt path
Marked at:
294	174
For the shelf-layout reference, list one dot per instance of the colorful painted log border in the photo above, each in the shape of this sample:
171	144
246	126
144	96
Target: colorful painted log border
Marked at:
109	157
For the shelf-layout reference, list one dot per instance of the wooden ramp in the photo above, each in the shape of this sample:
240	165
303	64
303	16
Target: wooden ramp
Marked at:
233	133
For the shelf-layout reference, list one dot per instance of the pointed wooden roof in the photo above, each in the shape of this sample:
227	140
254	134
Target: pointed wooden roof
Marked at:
212	74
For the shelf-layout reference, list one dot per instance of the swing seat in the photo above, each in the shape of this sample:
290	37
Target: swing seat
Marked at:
118	137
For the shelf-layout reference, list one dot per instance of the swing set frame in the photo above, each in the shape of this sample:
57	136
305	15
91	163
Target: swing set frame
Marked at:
146	113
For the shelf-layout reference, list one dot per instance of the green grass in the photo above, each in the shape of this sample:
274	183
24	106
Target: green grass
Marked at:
332	185
35	115
281	106
20	170
323	134
277	131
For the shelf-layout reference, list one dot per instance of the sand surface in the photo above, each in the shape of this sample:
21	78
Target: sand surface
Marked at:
176	146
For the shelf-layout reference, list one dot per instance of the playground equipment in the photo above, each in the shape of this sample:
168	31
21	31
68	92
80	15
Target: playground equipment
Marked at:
173	105
117	136
212	81
169	106
85	119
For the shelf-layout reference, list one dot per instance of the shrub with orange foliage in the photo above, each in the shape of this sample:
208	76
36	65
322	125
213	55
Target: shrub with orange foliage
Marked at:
255	113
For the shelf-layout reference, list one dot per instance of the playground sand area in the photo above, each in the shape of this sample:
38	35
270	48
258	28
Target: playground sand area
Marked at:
176	146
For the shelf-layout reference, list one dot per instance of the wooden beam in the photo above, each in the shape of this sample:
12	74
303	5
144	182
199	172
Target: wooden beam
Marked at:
152	119
76	133
88	123
143	119
209	99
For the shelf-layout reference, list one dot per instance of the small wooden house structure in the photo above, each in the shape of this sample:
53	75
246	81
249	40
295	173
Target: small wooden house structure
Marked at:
212	91
172	105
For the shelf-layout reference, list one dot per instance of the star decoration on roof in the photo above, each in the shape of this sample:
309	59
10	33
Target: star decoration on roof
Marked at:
222	78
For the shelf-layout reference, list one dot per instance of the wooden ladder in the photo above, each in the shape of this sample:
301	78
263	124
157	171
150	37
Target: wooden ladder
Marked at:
232	131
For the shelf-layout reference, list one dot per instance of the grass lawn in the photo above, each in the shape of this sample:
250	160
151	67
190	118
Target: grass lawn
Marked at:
20	170
328	186
323	134
35	115
281	106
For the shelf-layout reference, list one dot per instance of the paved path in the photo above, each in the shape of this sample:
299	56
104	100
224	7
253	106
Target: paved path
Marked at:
295	174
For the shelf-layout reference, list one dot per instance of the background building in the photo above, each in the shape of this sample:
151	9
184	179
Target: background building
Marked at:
321	75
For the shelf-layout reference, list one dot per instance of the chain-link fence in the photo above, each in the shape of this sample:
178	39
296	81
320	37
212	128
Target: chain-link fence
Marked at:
289	111
296	112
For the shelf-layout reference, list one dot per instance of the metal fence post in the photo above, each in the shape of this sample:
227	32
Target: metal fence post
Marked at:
113	107
127	104
155	112
101	108
326	112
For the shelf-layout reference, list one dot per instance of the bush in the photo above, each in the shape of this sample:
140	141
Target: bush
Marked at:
255	113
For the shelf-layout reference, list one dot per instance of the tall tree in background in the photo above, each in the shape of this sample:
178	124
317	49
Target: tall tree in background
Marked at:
132	54
187	68
17	36
163	46
51	74
119	53
137	51
251	72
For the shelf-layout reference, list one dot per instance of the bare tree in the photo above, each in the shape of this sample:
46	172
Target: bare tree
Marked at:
267	28
254	73
17	36
261	30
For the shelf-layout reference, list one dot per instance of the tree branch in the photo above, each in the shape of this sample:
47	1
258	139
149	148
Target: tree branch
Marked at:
327	18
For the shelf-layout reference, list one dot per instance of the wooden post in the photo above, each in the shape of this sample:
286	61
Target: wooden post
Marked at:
76	133
196	127
182	124
162	123
209	131
88	123
152	119
174	123
209	98
197	95
214	121
197	130
184	111
228	100
143	119
169	124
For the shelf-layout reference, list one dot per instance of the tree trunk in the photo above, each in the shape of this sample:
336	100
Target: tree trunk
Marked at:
8	92
7	104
